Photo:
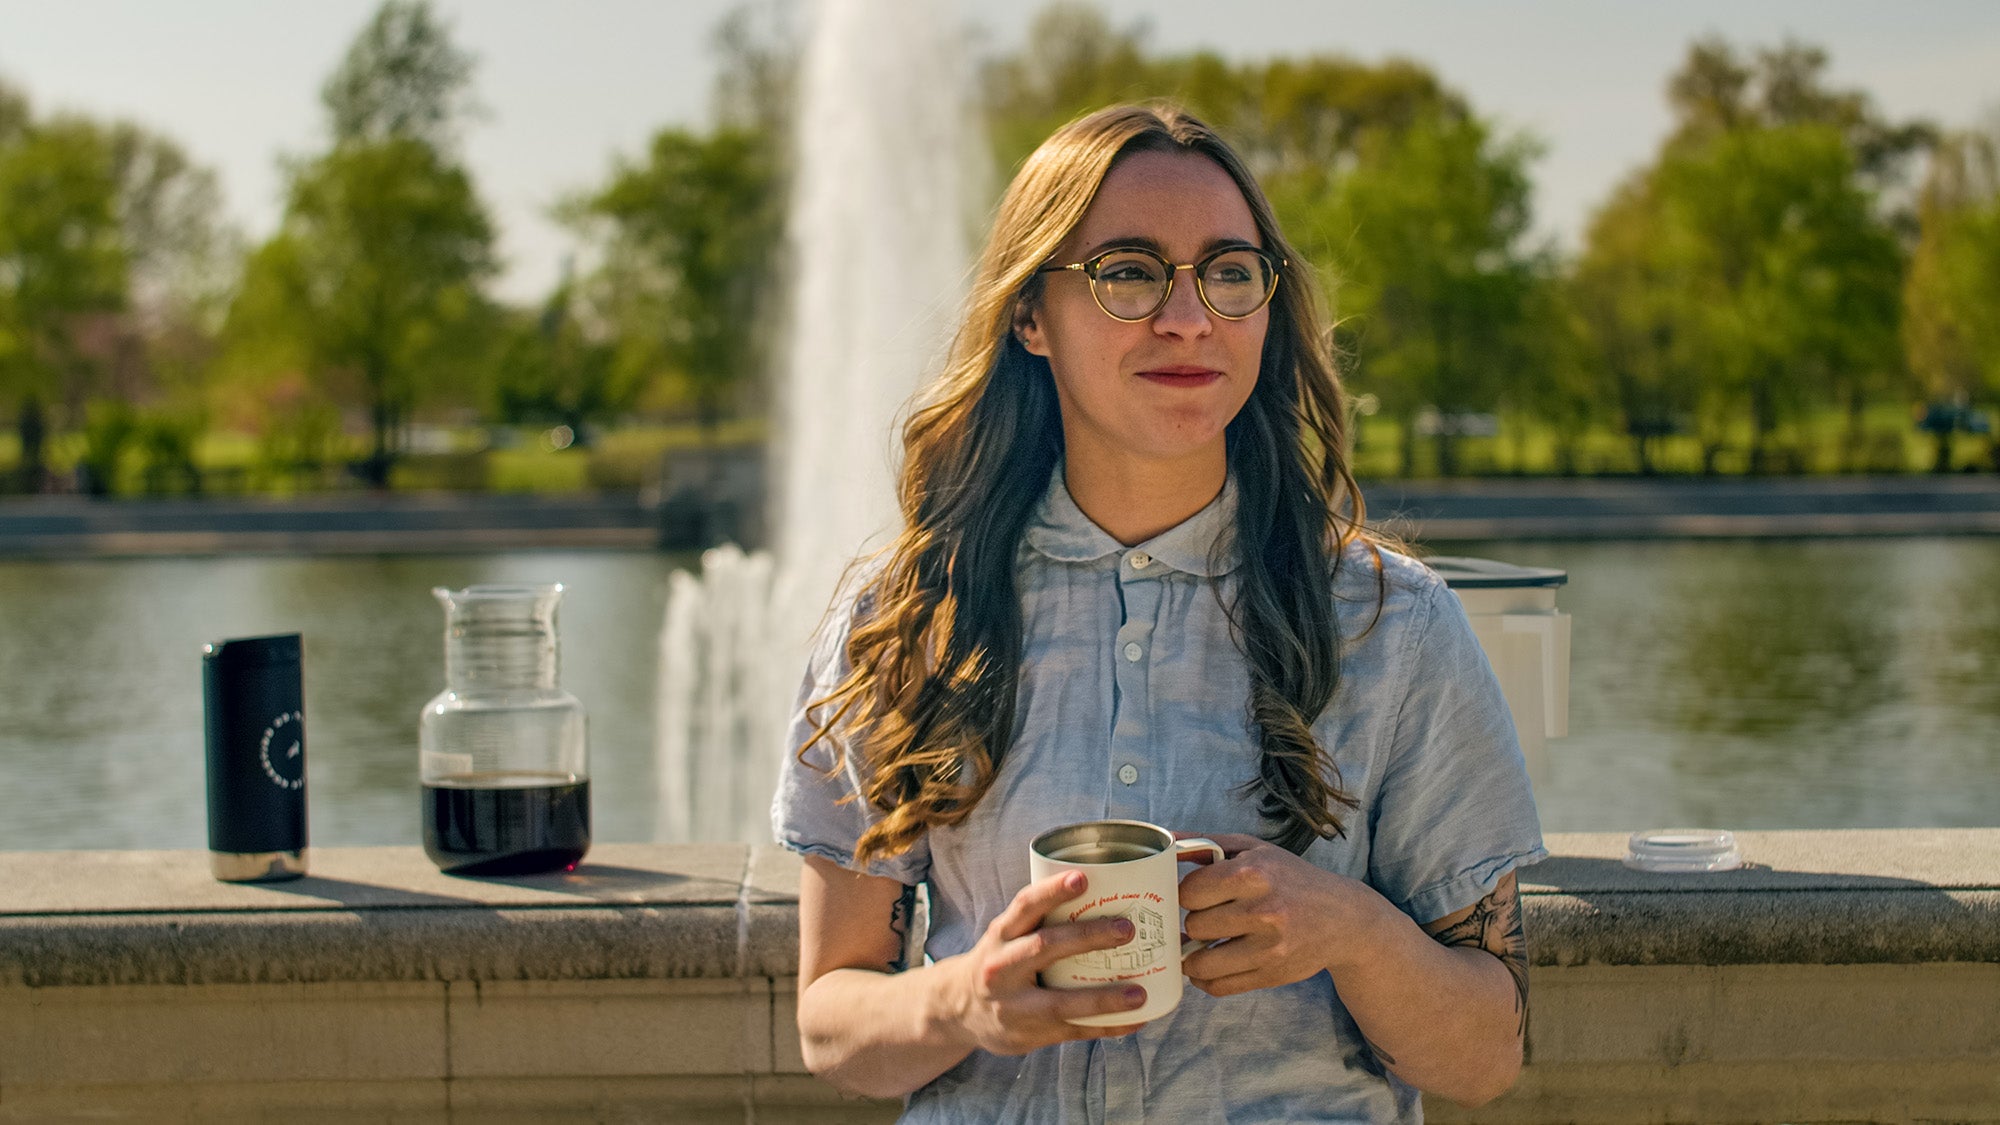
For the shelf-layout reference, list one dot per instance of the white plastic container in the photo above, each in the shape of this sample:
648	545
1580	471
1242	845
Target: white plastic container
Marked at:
1526	638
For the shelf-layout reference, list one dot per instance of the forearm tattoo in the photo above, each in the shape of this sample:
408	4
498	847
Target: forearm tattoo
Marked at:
1495	926
899	924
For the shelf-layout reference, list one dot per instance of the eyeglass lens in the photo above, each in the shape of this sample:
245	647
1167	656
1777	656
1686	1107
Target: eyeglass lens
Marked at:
1133	284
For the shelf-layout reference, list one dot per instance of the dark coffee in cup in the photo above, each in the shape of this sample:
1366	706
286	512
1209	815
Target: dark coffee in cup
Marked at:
1103	851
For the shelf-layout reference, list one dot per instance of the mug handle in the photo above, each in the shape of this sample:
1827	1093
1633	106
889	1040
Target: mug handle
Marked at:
1204	851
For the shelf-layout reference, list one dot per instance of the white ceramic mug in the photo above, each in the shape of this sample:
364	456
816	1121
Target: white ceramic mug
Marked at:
1134	873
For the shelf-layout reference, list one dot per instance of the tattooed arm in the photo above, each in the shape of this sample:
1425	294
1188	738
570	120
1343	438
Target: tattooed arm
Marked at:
1446	1017
872	1021
1447	1012
1493	924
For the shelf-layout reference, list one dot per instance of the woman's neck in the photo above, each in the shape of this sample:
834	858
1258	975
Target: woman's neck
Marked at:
1134	500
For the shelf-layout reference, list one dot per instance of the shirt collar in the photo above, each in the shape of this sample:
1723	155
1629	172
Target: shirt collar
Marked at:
1060	530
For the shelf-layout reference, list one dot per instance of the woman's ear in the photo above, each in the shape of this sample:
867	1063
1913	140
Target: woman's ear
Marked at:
1028	328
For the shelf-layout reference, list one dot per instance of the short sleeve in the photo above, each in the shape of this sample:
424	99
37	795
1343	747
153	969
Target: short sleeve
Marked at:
1454	811
809	813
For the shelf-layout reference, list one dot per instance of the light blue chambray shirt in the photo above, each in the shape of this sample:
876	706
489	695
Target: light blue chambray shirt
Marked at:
1134	705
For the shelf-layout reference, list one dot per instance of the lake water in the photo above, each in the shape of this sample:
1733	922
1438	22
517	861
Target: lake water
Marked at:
1828	684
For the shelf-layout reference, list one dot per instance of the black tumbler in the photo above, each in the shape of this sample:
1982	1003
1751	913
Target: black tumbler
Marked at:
256	759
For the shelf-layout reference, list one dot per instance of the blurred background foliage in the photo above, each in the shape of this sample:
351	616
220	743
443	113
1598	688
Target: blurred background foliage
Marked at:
1794	283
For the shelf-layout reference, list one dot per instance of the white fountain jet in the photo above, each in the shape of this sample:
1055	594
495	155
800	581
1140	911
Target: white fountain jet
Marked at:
888	167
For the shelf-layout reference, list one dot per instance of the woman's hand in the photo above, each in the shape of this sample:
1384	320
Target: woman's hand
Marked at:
993	995
1283	918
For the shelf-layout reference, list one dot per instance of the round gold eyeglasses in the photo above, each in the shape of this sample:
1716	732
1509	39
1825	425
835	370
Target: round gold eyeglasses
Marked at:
1131	283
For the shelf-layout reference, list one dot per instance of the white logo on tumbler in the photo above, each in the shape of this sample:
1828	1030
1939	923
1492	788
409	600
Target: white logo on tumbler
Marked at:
290	757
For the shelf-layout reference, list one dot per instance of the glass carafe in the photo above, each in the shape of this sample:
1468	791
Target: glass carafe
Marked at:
502	751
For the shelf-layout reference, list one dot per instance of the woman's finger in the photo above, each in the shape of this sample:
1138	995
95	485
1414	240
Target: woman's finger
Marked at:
1242	955
1210	886
1229	919
1035	900
1069	1005
1038	950
1236	983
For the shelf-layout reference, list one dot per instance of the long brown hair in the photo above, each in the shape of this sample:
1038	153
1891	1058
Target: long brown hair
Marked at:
936	642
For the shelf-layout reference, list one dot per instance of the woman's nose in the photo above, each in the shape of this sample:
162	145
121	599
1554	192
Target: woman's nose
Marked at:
1183	315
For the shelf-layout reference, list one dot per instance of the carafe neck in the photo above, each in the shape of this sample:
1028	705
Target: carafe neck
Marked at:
491	658
500	638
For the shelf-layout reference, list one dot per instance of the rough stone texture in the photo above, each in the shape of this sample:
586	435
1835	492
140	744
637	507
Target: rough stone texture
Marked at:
232	1033
356	879
1822	897
1750	1092
561	1029
473	943
1843	976
1965	859
724	911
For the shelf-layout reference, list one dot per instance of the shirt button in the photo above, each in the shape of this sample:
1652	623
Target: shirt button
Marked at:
1128	774
1141	560
1133	652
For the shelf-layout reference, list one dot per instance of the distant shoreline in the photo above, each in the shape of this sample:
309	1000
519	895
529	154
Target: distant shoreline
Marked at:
1425	511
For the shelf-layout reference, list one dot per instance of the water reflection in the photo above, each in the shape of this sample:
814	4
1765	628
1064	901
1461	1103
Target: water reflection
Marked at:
1776	684
100	724
1746	685
1767	641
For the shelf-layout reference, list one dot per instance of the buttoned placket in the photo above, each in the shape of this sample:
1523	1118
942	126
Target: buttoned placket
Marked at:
1132	774
1129	764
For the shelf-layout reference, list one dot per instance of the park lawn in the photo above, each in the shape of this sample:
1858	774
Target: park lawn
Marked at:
629	458
1890	443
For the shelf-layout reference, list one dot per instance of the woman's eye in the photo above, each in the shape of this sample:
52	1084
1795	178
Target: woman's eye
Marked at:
1230	275
1128	274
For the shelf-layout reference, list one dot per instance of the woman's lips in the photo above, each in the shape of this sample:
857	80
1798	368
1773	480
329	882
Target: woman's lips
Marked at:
1181	376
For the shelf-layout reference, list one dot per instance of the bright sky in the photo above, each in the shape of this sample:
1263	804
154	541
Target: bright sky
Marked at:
568	85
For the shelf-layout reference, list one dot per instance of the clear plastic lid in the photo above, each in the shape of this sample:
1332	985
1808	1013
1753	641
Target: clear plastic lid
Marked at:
1683	849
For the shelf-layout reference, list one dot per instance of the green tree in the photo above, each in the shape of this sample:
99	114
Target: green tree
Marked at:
1718	91
402	79
1790	277
1073	61
1951	297
1437	286
561	365
373	282
63	261
686	239
1750	273
1630	307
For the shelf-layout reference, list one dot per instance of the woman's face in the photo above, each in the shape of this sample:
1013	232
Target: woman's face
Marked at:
1159	390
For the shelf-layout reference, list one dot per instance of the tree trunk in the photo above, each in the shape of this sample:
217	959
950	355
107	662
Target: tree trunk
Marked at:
383	418
1409	451
1760	428
1447	443
1642	445
1943	462
32	429
1851	442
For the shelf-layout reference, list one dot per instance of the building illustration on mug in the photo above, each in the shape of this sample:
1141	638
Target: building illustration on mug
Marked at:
1149	936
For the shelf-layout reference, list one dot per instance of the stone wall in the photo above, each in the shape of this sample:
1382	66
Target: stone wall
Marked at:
1842	976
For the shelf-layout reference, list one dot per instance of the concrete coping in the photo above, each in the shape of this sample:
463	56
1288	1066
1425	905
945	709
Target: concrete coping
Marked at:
675	911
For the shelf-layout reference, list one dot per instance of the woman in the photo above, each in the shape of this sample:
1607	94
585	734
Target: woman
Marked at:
1133	583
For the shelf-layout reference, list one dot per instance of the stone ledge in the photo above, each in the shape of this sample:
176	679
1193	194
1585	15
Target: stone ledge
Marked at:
1806	897
722	911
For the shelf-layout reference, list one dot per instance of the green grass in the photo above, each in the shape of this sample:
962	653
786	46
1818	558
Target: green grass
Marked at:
1889	443
628	458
